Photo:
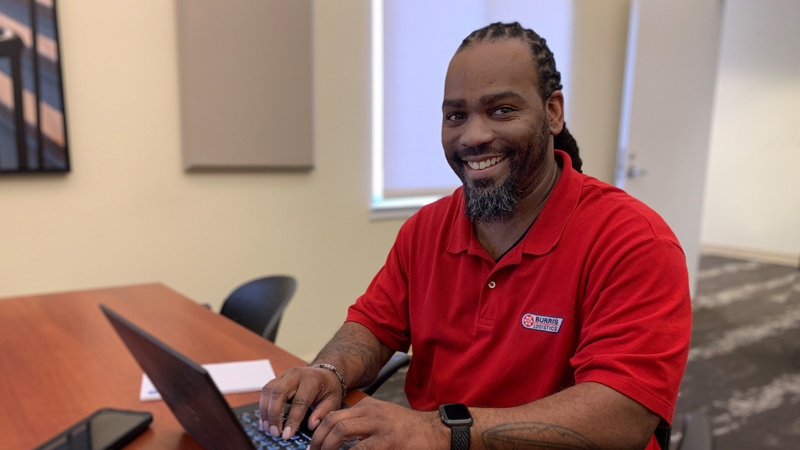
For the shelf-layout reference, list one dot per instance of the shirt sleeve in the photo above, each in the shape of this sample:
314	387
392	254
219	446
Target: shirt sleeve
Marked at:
383	308
635	336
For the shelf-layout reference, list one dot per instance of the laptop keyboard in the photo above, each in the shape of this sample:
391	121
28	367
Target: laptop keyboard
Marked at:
263	440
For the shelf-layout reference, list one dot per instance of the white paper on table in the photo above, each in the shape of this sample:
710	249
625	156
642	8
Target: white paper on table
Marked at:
230	378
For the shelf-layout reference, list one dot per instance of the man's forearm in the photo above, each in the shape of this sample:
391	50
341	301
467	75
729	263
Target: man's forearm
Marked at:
357	353
586	417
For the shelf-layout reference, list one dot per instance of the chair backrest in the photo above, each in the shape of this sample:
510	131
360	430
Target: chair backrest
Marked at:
696	433
258	305
397	361
663	437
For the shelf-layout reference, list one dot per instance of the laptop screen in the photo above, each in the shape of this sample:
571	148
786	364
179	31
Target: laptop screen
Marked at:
185	386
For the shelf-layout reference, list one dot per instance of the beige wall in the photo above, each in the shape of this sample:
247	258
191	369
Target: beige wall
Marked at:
128	213
600	34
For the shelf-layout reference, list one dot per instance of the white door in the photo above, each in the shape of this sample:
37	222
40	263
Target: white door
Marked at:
671	68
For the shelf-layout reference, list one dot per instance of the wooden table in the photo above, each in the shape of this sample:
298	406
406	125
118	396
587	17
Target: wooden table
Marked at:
60	360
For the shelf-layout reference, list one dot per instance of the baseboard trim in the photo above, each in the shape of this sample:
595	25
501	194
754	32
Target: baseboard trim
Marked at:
765	256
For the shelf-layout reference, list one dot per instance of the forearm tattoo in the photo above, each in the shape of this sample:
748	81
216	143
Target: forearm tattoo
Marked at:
535	435
365	355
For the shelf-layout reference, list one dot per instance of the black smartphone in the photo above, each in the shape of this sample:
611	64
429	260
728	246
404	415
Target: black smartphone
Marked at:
106	429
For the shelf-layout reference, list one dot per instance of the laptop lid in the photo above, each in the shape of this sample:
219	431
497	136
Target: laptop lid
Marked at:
186	387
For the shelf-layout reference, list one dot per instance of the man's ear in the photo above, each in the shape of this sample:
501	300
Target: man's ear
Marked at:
555	112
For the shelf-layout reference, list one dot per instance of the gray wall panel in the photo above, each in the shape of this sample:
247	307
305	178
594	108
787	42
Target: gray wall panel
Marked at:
245	69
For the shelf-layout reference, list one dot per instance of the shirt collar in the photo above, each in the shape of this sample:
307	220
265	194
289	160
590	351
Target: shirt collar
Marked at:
549	226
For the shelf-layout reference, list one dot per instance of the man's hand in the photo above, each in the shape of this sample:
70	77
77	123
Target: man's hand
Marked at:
381	426
355	352
306	386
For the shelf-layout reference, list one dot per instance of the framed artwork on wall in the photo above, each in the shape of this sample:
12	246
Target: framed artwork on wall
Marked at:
33	131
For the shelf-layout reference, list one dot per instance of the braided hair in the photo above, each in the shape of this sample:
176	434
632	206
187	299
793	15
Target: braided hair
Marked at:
543	59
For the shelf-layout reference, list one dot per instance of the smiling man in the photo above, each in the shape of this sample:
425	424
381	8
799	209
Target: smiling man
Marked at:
546	309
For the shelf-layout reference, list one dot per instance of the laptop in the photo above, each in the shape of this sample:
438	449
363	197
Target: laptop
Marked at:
195	400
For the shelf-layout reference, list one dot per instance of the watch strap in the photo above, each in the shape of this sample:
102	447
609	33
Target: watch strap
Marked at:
459	437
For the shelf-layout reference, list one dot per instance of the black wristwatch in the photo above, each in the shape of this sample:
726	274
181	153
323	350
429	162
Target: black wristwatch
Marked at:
457	417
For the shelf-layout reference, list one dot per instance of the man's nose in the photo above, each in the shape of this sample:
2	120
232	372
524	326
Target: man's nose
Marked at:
476	132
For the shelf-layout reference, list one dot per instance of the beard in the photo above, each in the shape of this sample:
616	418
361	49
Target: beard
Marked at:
489	202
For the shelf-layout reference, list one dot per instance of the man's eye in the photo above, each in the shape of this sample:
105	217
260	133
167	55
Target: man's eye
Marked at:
452	117
501	111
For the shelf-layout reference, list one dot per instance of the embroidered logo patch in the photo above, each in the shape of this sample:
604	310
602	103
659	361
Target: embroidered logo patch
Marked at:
542	323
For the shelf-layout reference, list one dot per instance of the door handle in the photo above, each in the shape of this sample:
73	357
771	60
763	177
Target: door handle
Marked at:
634	172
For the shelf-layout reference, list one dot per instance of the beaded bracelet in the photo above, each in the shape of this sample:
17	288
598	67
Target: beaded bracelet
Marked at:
338	374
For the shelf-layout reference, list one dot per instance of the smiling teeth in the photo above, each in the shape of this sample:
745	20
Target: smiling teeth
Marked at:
477	165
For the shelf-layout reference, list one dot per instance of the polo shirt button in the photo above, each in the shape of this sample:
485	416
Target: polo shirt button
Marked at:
492	284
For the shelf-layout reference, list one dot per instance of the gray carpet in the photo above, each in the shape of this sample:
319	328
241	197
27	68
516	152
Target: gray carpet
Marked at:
744	365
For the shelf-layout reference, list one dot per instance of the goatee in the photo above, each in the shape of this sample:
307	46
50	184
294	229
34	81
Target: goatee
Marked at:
489	204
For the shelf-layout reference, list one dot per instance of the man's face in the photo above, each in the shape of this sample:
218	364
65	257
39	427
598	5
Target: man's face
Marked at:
495	128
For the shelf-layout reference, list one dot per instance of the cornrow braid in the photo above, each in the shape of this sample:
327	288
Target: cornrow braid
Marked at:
549	78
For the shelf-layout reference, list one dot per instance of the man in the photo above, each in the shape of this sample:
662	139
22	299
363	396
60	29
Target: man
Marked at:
555	307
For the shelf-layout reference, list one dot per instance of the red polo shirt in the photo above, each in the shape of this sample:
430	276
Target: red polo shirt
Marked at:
596	291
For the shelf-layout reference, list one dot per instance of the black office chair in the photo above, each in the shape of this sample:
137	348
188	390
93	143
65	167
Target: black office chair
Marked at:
394	364
696	433
258	305
663	436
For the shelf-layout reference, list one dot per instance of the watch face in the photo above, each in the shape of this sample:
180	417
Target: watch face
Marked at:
455	414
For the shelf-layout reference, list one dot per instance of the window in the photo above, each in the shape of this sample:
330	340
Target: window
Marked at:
412	43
